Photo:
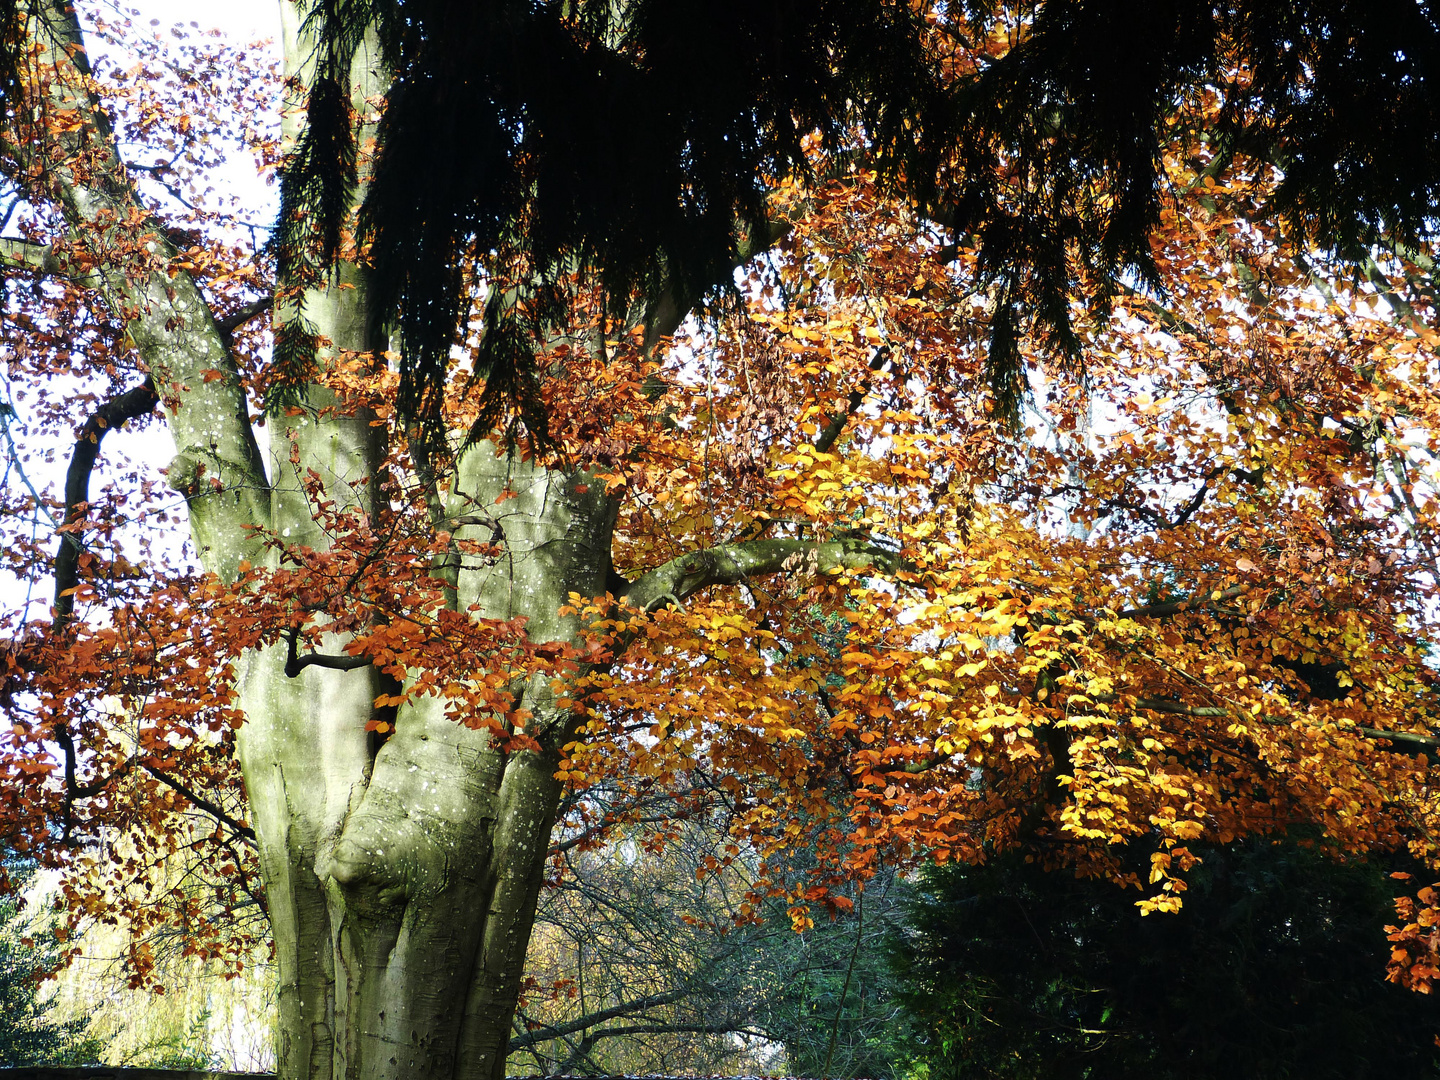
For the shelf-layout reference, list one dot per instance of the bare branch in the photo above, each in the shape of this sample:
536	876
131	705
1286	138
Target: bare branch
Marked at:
736	564
629	1008
114	413
648	1029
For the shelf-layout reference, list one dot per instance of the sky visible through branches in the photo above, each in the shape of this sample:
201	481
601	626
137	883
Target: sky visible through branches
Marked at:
239	22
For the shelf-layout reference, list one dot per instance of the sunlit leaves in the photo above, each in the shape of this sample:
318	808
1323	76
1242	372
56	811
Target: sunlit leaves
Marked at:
1186	600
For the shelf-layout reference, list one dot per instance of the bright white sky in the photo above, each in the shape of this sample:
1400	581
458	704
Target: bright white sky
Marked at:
242	20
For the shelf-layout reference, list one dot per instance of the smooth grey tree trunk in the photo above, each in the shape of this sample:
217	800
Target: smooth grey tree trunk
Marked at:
402	879
401	882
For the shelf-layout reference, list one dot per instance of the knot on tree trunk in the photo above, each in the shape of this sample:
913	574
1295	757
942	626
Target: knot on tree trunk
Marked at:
197	471
365	871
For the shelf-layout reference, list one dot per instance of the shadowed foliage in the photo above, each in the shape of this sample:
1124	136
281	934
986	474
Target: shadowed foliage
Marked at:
635	140
1270	970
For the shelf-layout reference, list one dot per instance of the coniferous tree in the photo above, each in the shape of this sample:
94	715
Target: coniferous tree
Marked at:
27	1034
1270	970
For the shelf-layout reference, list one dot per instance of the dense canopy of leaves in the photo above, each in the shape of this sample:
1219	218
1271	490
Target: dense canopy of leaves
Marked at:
845	605
638	140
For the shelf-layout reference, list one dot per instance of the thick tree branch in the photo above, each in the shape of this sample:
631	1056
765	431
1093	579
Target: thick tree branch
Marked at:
43	259
238	318
165	315
74	790
1407	742
837	423
1177	607
1412	741
114	413
671	307
1167	706
737	564
1195	502
295	663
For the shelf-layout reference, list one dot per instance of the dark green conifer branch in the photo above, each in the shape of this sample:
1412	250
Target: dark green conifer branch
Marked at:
632	143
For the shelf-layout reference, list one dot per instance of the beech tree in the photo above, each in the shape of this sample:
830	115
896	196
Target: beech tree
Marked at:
795	565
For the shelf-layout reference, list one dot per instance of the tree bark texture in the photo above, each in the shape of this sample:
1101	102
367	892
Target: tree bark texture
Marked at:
401	881
401	876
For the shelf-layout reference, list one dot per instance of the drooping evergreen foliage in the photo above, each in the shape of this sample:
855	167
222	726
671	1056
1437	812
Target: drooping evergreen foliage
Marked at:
631	139
27	1035
636	140
1270	970
832	999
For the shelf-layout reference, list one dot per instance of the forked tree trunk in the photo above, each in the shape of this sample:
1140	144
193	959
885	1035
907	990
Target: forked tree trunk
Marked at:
401	877
402	882
402	886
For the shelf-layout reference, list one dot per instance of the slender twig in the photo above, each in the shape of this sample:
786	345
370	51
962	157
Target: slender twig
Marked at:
201	803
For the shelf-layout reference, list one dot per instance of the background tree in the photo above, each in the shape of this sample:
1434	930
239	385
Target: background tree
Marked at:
643	963
828	996
1269	970
148	983
30	1033
636	965
794	556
